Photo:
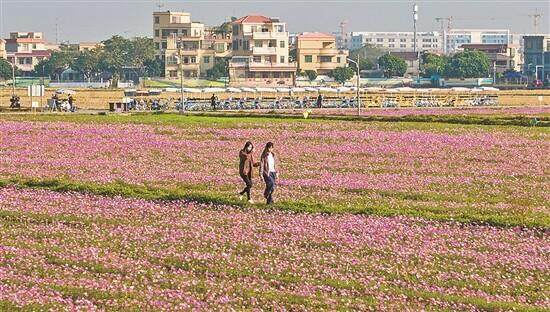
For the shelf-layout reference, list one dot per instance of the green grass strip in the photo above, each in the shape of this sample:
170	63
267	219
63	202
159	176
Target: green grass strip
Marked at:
201	195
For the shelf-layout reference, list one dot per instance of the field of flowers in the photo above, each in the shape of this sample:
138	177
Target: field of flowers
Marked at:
75	251
492	174
500	111
139	212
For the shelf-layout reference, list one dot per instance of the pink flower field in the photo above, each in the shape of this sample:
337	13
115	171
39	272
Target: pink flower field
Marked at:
71	251
140	212
494	174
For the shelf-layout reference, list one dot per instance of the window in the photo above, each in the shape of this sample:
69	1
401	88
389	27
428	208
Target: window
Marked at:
173	73
257	43
282	59
157	32
157	20
403	46
235	30
391	40
391	45
325	59
257	59
164	46
21	60
308	58
338	60
193	60
206	59
403	40
379	39
281	44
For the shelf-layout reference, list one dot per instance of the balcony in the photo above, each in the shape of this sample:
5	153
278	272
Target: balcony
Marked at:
268	66
329	51
264	50
258	35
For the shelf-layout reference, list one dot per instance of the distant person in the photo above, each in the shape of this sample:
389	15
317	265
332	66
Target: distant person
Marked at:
268	171
320	101
71	102
213	101
246	164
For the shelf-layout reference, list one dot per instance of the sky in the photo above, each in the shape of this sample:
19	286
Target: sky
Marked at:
95	20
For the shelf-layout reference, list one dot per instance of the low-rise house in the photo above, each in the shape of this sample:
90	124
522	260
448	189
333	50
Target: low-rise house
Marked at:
318	52
26	49
504	57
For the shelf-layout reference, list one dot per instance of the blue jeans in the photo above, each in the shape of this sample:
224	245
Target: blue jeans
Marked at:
269	179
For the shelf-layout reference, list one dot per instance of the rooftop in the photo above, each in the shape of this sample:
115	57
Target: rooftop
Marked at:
315	35
254	19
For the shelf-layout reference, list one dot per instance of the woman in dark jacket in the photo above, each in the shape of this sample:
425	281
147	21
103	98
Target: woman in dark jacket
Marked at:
246	164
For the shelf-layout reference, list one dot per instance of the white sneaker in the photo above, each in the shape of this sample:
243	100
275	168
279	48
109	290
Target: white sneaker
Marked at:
241	197
250	201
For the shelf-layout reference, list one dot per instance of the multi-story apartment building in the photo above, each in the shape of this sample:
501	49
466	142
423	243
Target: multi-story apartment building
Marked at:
3	54
503	57
455	38
175	34
260	53
536	55
197	54
318	52
167	24
26	49
397	41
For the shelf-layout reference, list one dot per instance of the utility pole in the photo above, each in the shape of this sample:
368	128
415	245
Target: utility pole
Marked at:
358	73
13	81
181	68
415	19
494	72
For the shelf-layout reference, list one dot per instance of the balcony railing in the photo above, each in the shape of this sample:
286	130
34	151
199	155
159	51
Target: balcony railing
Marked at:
264	50
258	35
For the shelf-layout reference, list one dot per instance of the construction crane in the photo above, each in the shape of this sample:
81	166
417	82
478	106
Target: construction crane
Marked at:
535	16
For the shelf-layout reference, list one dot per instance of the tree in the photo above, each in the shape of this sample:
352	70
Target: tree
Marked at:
292	55
368	54
468	64
392	65
88	63
219	69
365	64
311	74
154	68
5	69
434	65
142	51
57	63
117	53
342	74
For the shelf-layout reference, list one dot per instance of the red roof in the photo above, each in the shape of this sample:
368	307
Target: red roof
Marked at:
253	19
315	35
35	53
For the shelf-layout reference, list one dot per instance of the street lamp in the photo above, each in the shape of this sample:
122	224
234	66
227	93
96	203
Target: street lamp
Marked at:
358	81
13	82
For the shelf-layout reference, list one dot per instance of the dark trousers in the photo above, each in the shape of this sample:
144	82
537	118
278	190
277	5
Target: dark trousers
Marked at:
248	181
269	186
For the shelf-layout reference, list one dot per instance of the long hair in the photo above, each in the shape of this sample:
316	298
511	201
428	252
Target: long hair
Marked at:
246	145
266	149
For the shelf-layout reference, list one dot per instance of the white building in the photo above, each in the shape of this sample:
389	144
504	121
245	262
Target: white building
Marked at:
260	53
455	38
397	41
